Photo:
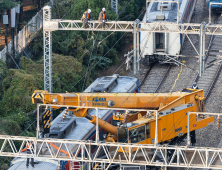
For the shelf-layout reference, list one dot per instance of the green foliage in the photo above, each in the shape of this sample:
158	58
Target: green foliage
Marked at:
19	85
3	69
3	73
103	62
76	53
76	43
7	4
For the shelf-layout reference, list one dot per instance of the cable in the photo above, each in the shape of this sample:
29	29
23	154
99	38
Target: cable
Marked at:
176	79
107	37
98	61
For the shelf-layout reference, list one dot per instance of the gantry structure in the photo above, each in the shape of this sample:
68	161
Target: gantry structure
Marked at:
134	27
114	6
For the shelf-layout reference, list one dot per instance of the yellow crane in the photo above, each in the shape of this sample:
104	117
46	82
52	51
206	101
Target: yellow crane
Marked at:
172	112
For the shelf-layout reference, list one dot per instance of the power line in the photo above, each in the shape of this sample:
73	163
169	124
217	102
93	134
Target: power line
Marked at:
99	60
126	5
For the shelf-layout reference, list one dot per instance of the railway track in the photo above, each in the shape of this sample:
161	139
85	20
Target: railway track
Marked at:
212	71
154	78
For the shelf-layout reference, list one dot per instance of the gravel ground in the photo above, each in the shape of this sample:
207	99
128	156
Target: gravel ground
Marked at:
188	73
141	73
209	136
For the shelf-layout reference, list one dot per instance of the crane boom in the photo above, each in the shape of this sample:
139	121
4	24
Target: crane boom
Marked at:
116	100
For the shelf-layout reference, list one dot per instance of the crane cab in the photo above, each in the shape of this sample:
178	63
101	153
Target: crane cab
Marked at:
216	8
171	123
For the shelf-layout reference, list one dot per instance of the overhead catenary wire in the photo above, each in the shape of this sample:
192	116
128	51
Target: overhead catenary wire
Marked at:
118	68
69	68
98	61
96	38
94	41
126	5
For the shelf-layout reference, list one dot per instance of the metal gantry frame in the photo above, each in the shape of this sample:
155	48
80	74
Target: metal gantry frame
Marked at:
114	6
47	43
115	153
50	25
131	154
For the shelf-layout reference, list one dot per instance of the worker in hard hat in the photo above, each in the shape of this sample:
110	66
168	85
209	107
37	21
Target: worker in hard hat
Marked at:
30	150
103	18
86	17
194	86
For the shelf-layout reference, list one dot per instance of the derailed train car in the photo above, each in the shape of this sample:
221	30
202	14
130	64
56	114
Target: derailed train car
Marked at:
155	44
80	128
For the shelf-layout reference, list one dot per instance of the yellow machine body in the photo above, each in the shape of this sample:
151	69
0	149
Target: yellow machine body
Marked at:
142	131
172	112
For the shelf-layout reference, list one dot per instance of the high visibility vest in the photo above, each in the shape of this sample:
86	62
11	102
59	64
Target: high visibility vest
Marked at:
102	15
29	146
194	87
84	15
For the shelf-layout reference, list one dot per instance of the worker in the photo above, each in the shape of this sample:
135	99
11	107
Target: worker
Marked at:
193	137
86	18
194	86
103	18
30	147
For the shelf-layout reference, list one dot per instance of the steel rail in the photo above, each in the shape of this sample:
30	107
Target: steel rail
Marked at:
163	80
146	75
217	73
213	82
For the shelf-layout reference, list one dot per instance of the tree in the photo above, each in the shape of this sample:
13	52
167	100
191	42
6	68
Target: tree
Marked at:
7	4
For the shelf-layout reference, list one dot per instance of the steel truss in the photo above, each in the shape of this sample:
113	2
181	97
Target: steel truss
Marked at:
47	40
114	6
114	153
50	24
128	26
55	24
133	154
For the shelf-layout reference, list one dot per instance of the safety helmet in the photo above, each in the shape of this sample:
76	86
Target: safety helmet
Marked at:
104	9
194	83
89	11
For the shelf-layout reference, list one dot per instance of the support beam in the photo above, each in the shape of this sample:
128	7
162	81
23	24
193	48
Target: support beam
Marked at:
47	38
114	6
182	156
127	26
138	50
47	41
201	50
134	49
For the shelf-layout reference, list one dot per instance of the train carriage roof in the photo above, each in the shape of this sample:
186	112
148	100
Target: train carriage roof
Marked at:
169	11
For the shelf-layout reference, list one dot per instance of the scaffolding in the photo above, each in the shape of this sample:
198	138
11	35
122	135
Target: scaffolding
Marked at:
115	153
